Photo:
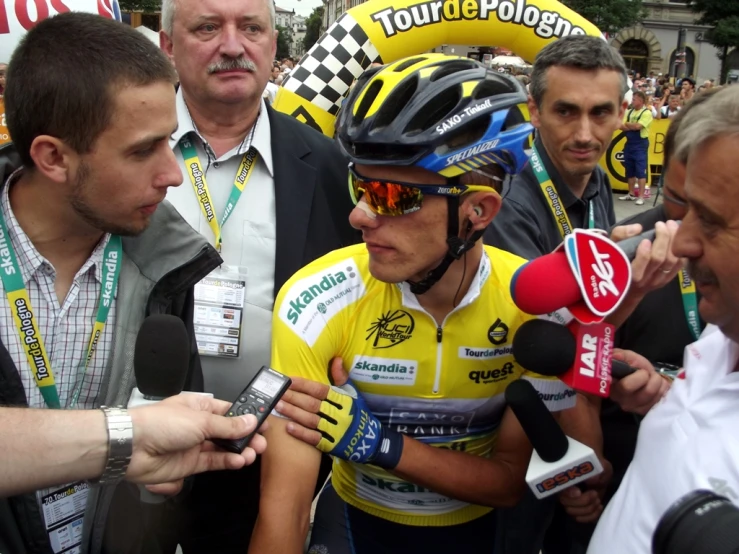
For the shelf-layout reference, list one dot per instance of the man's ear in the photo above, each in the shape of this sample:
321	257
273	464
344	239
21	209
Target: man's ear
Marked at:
53	158
534	112
480	210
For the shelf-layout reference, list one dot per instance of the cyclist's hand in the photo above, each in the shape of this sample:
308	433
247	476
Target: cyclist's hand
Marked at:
336	420
339	376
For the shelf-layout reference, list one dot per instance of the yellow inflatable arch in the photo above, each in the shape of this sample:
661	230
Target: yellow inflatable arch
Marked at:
386	30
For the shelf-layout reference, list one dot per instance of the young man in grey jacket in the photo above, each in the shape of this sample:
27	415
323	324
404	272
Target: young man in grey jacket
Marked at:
87	251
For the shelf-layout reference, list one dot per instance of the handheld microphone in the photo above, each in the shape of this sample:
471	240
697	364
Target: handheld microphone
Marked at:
160	359
587	273
160	363
630	245
579	355
558	462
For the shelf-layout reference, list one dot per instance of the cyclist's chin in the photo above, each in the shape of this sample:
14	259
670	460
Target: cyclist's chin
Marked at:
388	270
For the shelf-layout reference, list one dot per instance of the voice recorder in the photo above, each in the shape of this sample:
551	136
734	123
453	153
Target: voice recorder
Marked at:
258	398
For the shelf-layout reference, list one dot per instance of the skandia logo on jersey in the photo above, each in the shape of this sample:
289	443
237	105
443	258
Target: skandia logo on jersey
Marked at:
470	152
471	353
312	301
384	371
546	24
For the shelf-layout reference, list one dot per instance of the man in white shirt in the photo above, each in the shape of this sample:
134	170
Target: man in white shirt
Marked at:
670	110
283	187
694	426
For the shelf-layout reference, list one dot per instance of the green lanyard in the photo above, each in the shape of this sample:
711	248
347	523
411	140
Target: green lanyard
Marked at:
555	204
197	178
690	303
27	325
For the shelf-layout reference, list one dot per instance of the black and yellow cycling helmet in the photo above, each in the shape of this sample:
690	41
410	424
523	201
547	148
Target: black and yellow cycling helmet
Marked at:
446	114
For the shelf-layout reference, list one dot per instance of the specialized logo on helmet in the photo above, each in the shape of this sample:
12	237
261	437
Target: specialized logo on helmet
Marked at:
546	24
471	152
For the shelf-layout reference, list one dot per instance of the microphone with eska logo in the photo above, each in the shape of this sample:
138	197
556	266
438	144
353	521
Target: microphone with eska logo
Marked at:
588	274
160	363
579	355
558	461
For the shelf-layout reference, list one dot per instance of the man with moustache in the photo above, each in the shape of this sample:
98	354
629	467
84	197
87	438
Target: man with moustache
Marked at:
694	426
266	189
90	105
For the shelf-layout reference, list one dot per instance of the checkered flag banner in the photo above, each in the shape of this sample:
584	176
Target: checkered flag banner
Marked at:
329	68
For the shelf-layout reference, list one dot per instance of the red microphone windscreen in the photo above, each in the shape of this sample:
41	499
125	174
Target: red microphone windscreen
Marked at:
545	285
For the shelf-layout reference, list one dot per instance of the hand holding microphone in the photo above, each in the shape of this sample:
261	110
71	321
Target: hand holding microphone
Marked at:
640	391
583	357
591	275
654	264
558	462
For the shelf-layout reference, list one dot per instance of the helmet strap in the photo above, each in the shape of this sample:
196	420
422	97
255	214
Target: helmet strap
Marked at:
457	246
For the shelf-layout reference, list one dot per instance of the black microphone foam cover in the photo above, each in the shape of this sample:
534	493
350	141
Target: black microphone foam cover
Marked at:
540	427
161	358
544	347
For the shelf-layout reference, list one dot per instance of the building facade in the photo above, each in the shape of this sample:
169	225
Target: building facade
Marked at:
652	45
296	46
284	18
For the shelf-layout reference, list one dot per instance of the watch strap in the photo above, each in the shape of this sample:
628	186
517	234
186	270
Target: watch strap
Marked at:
120	444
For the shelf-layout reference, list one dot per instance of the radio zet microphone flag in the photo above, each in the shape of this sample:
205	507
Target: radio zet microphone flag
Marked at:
579	355
588	274
558	462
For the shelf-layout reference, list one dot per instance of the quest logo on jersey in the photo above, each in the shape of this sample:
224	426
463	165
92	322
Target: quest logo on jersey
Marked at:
312	301
391	328
602	270
498	332
383	371
488	376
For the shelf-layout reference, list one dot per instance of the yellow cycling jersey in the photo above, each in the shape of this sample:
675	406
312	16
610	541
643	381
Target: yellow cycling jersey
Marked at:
440	384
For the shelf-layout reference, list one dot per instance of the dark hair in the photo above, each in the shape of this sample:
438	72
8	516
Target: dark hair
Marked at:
580	52
63	76
641	95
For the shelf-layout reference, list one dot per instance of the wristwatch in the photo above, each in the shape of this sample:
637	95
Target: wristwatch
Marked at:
120	445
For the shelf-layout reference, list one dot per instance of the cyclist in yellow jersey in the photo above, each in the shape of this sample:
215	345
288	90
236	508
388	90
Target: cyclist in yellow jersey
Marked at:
421	319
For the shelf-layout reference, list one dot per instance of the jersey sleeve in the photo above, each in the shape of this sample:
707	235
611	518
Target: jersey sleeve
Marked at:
554	393
309	314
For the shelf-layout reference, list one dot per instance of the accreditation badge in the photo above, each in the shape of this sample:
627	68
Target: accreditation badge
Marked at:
64	513
219	310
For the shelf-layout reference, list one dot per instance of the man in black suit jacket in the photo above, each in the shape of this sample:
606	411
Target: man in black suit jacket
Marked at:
266	189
